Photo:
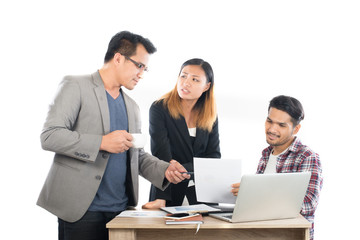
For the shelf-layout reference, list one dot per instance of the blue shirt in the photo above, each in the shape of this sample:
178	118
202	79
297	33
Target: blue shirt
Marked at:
111	195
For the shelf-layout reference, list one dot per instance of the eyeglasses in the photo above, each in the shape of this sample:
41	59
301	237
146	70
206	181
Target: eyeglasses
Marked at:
137	64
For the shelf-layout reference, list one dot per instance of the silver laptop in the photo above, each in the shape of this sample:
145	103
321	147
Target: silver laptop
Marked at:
268	196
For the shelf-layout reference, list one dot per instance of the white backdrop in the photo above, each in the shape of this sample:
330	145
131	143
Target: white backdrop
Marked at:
258	49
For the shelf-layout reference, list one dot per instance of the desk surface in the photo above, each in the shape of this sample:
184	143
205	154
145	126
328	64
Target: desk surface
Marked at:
209	223
211	229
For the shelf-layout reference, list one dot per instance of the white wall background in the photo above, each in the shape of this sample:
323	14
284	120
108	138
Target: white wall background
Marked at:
258	49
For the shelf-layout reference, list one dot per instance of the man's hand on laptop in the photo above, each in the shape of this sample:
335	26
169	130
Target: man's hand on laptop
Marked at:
235	188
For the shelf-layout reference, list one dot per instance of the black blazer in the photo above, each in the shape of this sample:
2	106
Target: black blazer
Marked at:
170	139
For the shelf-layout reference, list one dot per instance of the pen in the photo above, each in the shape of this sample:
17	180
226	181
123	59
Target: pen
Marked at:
187	172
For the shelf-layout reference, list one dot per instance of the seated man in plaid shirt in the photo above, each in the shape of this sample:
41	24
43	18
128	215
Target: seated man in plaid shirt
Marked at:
287	154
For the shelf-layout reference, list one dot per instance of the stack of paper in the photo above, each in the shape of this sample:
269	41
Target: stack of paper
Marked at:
197	208
189	219
142	213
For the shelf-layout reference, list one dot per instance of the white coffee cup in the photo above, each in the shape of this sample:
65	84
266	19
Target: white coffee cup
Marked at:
139	140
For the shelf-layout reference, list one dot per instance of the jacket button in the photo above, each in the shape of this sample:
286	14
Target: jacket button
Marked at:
104	155
98	177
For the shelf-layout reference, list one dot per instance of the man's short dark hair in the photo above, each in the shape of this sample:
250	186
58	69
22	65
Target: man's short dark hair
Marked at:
125	43
290	105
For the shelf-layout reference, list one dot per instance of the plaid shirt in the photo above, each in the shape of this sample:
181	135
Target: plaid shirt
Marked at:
299	158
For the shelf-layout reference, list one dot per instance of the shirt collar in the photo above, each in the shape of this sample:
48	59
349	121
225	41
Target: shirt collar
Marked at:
294	147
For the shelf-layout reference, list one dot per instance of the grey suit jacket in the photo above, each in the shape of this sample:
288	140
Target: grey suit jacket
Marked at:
76	122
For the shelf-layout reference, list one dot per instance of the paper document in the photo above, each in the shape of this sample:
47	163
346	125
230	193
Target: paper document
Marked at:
142	213
190	219
197	208
213	179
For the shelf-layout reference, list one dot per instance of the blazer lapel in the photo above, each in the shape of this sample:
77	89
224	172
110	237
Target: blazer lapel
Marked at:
100	93
183	131
200	136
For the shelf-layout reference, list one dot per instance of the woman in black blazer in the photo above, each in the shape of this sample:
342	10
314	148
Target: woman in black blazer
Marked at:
184	125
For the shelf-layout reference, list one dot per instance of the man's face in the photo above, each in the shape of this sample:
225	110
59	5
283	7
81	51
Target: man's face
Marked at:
279	129
129	73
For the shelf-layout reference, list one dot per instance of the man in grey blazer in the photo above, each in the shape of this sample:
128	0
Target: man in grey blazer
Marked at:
94	175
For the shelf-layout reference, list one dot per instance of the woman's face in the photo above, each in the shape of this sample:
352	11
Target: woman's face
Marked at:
192	82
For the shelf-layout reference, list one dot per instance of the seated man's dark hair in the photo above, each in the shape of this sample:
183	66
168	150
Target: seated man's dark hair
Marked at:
290	105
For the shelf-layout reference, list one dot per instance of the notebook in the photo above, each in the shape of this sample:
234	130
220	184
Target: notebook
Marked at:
268	196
